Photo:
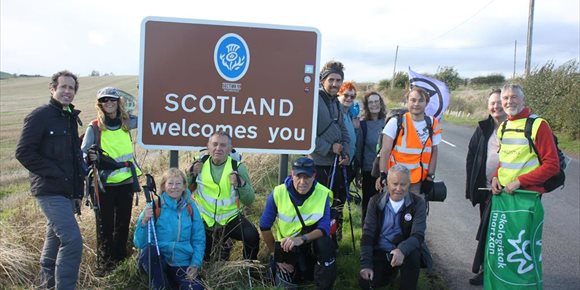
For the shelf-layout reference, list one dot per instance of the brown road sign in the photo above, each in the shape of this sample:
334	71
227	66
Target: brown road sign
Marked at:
257	82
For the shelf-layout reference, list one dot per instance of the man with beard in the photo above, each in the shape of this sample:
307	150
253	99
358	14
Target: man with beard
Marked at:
332	139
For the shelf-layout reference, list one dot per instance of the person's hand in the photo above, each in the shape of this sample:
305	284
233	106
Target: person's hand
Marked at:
147	214
92	155
379	184
367	274
289	243
343	160
337	148
495	186
197	167
191	272
512	186
285	267
234	180
398	258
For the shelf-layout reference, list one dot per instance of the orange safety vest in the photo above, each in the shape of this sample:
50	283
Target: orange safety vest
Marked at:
410	152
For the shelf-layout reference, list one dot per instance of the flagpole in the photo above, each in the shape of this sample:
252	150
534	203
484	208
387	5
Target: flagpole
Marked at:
394	68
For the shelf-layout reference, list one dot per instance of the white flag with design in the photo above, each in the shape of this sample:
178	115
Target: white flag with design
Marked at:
437	90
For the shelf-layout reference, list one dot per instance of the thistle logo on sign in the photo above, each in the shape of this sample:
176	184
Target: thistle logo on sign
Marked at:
231	57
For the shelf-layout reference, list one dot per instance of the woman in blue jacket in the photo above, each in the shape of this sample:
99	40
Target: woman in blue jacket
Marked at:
180	236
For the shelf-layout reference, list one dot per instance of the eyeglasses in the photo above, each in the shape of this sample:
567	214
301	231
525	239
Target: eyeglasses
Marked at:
303	163
107	99
352	96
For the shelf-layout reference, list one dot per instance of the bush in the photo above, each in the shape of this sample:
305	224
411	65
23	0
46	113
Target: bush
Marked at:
493	79
553	94
449	76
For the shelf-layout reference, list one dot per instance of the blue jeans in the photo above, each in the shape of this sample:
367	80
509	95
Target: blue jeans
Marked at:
63	246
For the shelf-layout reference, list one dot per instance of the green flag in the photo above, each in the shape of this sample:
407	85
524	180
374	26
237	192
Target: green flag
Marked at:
513	249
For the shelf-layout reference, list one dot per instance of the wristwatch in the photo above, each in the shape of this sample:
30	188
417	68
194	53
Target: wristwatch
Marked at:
304	238
432	176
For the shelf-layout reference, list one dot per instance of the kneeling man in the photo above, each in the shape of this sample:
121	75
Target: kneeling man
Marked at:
393	232
300	209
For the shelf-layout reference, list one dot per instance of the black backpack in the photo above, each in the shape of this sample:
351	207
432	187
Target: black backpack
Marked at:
556	180
399	114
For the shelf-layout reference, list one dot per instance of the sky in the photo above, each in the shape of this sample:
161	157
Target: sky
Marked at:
476	37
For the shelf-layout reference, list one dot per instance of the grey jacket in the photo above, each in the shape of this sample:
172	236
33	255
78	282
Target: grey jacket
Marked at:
412	220
330	129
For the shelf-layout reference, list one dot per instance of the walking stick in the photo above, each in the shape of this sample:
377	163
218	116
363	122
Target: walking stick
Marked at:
151	228
237	193
348	200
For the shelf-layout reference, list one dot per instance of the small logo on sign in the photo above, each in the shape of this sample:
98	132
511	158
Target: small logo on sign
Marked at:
408	217
231	57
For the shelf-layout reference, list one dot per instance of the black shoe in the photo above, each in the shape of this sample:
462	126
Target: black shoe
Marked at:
477	279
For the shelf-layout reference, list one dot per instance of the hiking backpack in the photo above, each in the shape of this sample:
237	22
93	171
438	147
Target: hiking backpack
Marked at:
399	114
556	180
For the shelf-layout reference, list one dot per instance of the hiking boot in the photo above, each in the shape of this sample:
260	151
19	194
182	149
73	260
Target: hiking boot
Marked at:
477	279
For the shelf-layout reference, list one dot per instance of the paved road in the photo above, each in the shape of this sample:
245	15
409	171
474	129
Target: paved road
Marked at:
452	225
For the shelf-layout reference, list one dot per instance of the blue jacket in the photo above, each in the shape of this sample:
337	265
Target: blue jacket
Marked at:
181	238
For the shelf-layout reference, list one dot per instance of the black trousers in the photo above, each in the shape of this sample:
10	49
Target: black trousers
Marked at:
484	212
116	203
385	274
239	228
368	191
324	177
315	261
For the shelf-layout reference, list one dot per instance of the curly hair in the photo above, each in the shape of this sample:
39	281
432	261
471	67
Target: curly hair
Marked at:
332	67
366	115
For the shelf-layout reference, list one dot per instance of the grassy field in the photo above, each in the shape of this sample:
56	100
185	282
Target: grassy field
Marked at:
22	224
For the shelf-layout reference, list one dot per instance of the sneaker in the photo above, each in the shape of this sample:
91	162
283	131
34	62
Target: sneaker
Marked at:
477	279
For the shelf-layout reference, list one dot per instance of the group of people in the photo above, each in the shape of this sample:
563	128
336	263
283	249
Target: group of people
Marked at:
197	215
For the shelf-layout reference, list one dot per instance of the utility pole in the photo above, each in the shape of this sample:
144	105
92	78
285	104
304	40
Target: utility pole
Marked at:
529	44
515	50
394	68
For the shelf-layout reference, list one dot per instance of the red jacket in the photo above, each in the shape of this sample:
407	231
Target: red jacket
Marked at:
548	155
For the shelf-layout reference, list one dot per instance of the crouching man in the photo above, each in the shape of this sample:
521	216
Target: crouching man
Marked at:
393	232
300	209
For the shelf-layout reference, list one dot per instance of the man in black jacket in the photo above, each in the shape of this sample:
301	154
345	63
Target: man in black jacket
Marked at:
49	148
393	232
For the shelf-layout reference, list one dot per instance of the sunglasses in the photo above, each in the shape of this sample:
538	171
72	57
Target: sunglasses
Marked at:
303	163
107	99
352	96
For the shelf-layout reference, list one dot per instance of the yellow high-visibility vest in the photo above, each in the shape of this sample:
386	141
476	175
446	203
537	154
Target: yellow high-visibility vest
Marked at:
312	210
119	146
516	156
216	202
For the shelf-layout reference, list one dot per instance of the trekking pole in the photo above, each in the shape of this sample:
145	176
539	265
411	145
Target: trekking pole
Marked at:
151	227
348	200
237	194
333	172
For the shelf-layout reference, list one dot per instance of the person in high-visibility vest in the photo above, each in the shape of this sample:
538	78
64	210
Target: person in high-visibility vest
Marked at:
220	192
415	146
519	166
111	132
393	234
299	209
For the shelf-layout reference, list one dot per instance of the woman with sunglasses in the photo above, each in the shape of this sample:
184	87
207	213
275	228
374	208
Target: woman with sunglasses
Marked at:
351	110
110	132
